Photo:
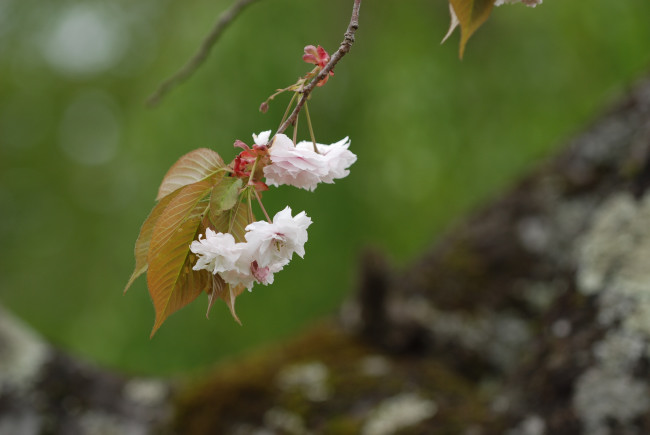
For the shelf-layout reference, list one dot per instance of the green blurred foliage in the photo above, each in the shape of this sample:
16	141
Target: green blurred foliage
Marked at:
81	157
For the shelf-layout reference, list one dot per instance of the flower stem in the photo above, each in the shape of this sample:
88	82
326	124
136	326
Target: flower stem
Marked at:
250	178
251	218
286	112
311	129
295	131
259	200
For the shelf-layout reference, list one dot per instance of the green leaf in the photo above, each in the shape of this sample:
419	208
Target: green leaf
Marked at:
193	167
471	14
225	194
234	220
141	250
171	280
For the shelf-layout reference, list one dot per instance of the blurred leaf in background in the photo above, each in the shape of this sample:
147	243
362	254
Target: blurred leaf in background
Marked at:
81	157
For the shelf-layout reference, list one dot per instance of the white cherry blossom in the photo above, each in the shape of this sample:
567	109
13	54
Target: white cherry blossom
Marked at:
268	248
273	244
240	275
217	252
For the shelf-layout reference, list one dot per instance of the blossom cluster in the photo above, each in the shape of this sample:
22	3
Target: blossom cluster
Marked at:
305	164
269	247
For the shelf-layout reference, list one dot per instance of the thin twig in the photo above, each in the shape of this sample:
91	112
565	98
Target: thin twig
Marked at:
348	40
199	57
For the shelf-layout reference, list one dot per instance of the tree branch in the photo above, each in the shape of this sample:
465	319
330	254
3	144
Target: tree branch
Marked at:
344	48
199	57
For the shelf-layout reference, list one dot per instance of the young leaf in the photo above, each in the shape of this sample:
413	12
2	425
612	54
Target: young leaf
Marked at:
471	14
229	294
171	280
225	194
144	238
225	292
218	284
194	166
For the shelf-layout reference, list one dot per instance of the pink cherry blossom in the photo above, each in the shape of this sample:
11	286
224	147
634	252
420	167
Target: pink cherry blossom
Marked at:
302	167
337	156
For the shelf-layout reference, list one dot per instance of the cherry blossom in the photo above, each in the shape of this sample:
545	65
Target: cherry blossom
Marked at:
216	252
264	275
337	156
302	167
273	244
268	248
293	166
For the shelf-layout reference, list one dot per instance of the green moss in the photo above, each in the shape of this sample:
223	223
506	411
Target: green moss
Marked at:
243	391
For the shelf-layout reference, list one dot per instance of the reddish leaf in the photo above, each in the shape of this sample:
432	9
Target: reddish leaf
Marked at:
194	166
172	282
144	238
471	14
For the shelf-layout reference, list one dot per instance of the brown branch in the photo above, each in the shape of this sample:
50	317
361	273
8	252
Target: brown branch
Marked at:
199	57
348	40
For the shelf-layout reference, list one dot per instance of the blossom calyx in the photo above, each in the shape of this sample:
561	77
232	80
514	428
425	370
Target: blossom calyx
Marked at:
246	160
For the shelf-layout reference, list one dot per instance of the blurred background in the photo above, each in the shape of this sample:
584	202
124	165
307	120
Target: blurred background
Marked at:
81	156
